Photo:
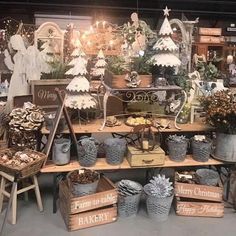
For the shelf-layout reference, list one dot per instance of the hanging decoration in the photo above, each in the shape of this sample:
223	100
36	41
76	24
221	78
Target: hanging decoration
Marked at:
165	47
78	96
137	36
102	36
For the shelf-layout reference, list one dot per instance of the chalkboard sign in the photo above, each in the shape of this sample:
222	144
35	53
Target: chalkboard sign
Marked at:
44	94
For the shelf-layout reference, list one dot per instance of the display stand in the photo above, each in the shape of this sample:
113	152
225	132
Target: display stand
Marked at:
140	95
61	110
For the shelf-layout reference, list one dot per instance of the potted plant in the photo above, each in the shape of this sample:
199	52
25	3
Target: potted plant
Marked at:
122	71
201	146
177	147
221	113
159	196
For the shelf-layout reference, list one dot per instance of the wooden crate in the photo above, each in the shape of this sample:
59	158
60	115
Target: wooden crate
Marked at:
196	191
91	210
106	195
89	218
136	157
119	82
186	207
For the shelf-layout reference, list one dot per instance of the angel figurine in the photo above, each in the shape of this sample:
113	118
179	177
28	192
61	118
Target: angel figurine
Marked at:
133	79
18	84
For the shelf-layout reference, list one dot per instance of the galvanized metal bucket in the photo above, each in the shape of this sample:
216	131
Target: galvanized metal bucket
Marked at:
225	147
61	151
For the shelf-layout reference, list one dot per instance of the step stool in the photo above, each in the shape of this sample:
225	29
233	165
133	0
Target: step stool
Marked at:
9	178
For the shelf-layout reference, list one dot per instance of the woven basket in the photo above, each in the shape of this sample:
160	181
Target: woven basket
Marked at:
115	149
158	208
177	151
207	177
28	170
201	150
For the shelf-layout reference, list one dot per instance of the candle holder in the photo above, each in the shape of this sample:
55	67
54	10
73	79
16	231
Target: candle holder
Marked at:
146	137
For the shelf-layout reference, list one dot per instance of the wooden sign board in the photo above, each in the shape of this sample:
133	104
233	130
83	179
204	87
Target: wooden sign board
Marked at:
210	39
44	94
18	101
210	31
203	209
196	191
106	195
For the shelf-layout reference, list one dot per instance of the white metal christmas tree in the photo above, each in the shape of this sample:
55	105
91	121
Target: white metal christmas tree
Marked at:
78	96
165	47
47	56
99	67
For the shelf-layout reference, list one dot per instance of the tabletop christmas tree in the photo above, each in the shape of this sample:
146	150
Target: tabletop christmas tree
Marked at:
165	47
78	96
47	56
99	67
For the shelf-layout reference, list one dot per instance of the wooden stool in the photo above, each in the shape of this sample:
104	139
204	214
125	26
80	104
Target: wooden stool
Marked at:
4	178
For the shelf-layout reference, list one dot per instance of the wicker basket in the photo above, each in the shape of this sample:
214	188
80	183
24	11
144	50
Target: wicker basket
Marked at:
158	208
177	151
201	150
207	177
129	205
115	150
27	170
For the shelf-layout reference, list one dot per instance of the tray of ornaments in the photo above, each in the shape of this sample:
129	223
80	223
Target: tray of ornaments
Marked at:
22	163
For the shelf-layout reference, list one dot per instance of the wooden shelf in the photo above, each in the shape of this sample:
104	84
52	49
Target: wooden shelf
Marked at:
102	165
94	126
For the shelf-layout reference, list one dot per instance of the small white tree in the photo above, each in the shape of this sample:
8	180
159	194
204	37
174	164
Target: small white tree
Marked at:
78	96
165	47
100	65
47	56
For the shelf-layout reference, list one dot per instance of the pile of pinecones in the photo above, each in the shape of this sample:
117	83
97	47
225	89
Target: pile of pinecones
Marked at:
24	122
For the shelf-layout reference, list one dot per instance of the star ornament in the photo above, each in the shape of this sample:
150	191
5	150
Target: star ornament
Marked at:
166	11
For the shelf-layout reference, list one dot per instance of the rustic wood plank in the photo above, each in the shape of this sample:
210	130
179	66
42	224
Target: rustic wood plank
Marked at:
94	126
197	191
92	218
105	196
204	209
101	164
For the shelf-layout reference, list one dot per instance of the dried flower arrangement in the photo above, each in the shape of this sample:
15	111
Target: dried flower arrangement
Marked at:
221	111
159	186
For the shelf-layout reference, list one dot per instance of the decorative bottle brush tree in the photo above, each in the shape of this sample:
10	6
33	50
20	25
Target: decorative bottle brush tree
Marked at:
78	96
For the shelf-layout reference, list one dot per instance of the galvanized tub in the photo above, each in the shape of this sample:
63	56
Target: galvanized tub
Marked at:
225	147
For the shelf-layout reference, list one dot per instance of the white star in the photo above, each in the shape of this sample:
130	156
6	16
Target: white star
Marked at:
166	11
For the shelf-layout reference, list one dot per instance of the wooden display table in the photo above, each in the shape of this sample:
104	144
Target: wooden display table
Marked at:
94	126
102	165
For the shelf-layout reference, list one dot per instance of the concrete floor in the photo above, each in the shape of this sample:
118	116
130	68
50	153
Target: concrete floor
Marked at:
32	222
